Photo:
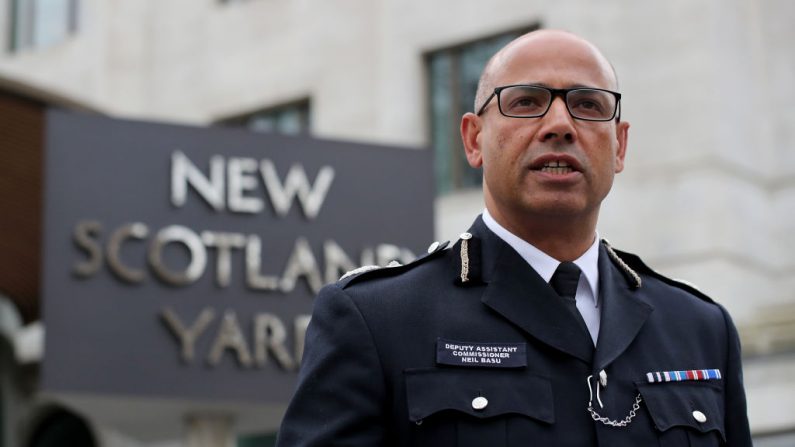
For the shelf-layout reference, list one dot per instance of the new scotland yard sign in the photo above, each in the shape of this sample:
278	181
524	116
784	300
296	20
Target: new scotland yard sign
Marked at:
182	262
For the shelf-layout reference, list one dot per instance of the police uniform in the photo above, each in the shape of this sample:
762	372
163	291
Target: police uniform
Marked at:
468	346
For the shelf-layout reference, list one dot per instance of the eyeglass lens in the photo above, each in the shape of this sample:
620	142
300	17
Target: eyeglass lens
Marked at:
528	101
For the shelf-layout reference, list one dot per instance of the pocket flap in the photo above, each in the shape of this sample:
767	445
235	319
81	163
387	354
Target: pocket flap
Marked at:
431	391
688	404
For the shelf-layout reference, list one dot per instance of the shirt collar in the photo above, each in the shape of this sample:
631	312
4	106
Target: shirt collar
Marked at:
544	264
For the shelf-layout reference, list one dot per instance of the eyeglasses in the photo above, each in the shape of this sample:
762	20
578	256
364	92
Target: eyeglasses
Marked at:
533	101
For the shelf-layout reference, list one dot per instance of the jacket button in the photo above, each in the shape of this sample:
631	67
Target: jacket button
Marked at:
699	417
433	247
479	403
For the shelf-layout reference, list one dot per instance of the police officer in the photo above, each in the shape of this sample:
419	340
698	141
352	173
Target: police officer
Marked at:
528	330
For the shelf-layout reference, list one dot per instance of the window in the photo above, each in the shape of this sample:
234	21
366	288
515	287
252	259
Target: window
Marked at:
41	23
453	75
291	119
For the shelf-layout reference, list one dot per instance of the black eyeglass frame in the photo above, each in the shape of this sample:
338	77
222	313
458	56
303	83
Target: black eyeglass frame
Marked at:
562	92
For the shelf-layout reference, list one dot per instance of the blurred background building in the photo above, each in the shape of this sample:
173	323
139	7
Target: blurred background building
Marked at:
708	194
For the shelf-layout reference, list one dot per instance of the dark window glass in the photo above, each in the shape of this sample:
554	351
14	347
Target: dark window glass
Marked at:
291	119
41	23
453	78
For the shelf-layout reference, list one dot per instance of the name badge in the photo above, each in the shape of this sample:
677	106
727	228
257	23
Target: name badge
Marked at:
490	355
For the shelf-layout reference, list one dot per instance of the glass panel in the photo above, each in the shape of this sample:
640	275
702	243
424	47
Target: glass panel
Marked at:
291	119
50	22
40	23
22	23
261	123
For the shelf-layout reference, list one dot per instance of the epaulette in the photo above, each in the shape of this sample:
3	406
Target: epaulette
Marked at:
629	274
393	268
634	263
467	260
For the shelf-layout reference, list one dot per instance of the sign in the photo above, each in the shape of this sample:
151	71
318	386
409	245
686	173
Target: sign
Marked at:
182	262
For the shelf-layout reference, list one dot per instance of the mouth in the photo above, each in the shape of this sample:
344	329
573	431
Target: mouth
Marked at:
558	167
556	164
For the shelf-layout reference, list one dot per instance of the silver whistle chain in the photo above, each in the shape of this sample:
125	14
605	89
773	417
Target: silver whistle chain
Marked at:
613	423
607	421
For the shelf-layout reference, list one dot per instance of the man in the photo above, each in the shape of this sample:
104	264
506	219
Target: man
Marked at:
529	330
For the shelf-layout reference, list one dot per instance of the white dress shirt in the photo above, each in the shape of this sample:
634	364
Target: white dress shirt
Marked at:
587	296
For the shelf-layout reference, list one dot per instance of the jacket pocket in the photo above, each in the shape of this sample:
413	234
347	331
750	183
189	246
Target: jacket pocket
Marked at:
686	410
472	406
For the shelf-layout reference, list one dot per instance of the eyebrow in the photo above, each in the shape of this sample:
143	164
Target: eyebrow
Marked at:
544	84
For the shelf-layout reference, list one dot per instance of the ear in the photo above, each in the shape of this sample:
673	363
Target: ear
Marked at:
622	133
471	126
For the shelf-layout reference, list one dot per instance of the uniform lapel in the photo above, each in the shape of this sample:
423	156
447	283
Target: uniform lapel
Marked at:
516	292
623	313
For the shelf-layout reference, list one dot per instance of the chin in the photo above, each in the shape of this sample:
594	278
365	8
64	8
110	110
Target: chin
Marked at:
557	209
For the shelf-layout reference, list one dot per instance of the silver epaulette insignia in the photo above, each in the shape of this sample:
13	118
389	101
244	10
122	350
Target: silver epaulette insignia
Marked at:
367	268
635	277
362	269
465	237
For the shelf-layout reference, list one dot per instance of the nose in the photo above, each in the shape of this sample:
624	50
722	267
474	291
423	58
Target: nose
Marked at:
557	124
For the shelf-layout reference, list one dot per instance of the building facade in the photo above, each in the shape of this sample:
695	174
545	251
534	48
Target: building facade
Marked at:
708	194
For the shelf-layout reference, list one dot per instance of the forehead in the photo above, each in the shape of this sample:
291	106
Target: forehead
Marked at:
557	60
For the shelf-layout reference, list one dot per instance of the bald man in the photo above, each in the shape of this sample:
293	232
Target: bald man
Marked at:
528	330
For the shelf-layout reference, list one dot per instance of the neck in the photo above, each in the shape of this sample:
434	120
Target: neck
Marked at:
565	238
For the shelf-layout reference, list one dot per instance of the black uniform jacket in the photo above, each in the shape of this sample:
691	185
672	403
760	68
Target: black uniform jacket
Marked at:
384	360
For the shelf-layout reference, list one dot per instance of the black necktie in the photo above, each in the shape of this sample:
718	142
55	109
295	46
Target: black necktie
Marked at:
564	281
